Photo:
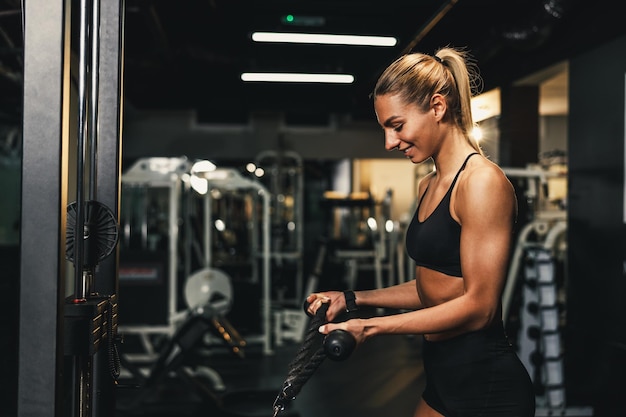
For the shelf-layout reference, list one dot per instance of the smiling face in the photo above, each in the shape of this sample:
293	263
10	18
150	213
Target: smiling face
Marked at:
409	129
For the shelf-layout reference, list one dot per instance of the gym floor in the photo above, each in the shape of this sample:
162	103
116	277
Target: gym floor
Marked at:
384	376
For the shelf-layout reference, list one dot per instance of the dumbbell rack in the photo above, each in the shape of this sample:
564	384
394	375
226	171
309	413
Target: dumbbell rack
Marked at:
539	345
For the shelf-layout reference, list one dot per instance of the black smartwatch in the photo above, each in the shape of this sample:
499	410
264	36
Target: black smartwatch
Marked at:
350	301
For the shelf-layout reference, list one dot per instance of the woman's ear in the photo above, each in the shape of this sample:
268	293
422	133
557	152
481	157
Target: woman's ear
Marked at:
439	106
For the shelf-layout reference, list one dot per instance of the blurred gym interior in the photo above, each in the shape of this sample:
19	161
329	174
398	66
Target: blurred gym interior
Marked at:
163	220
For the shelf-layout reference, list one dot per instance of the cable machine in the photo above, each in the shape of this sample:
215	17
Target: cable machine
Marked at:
92	234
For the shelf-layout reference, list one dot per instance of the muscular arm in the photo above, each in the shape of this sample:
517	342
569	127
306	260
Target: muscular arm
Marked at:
487	209
485	205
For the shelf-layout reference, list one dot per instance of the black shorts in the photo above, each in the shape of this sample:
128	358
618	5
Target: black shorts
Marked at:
477	374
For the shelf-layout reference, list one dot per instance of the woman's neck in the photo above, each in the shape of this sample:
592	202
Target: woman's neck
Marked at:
451	155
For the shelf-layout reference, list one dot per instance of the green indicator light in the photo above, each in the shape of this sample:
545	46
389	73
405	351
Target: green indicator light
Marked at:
290	19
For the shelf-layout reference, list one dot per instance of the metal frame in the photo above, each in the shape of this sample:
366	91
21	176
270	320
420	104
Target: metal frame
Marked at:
169	173
46	178
44	202
160	173
543	219
281	163
228	179
110	120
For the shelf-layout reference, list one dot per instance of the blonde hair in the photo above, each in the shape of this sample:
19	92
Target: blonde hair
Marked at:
451	72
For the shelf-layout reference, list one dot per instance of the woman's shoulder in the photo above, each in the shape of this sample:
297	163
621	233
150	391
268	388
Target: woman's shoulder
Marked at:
484	167
483	192
483	177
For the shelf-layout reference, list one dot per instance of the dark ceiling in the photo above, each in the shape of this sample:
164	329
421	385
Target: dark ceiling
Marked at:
189	54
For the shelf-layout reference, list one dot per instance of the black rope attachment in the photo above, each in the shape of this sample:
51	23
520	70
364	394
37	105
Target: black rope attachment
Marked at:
307	360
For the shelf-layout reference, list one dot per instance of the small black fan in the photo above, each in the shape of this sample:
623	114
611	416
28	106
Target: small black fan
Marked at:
100	236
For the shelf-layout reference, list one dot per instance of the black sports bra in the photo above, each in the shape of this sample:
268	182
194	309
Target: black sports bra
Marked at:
435	242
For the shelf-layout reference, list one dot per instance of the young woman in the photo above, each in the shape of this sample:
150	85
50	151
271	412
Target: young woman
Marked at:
460	239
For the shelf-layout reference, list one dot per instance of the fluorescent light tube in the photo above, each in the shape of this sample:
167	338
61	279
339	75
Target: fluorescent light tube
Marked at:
324	39
284	77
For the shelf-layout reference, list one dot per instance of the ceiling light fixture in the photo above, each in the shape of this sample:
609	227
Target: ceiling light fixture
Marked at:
287	77
327	39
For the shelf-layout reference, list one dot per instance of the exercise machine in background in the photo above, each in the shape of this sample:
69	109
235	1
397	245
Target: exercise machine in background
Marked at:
281	172
361	235
150	279
187	228
178	219
232	203
537	283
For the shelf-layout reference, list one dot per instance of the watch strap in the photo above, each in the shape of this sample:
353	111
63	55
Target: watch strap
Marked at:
350	301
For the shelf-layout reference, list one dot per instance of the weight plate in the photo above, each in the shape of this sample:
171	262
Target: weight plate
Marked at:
211	288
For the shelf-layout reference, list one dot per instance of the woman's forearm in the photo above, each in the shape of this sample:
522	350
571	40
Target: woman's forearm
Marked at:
401	296
460	314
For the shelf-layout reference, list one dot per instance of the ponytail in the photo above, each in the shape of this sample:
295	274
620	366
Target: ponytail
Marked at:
450	72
